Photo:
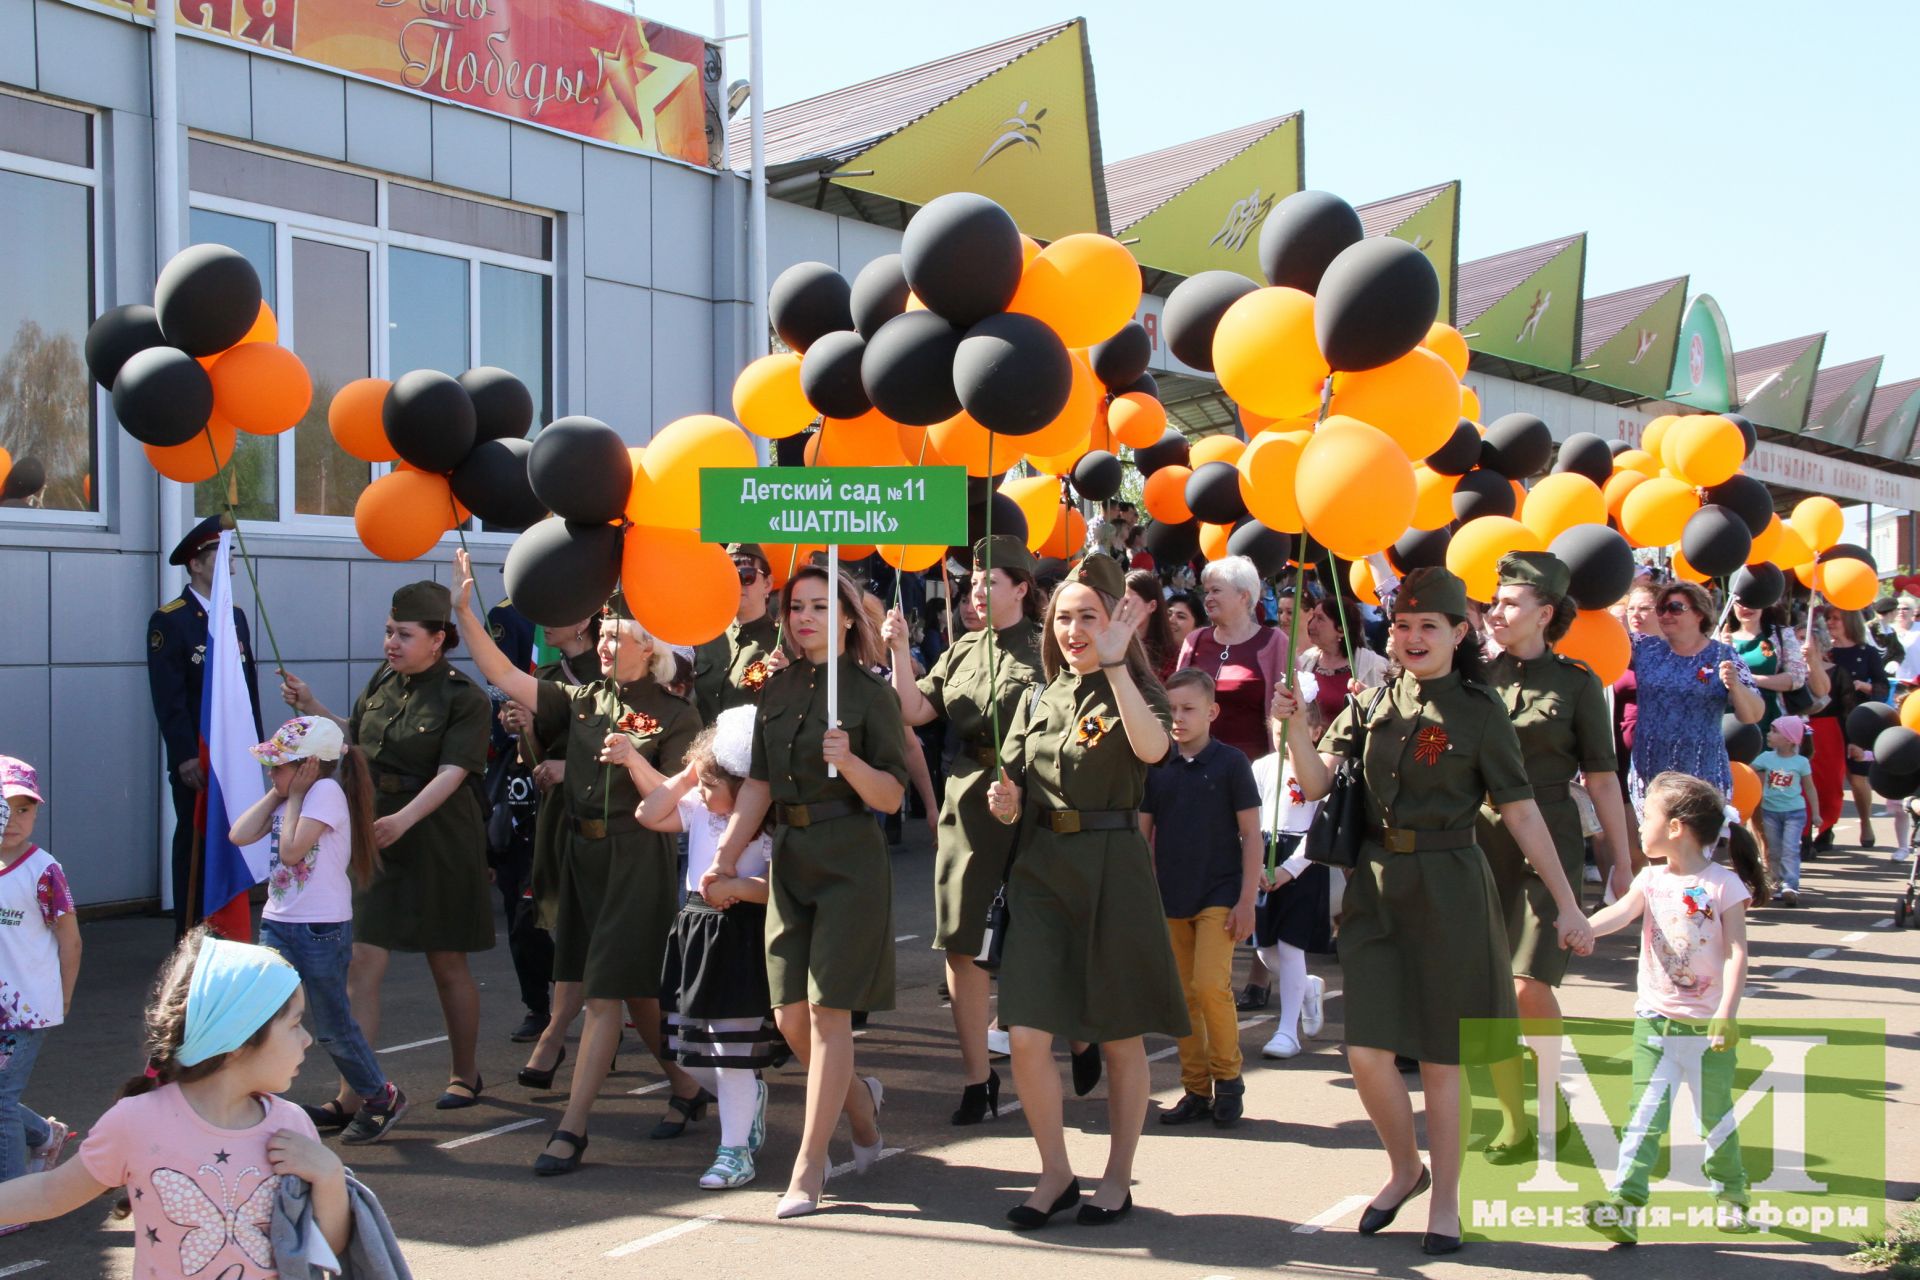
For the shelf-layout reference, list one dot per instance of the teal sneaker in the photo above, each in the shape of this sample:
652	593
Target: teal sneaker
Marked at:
732	1167
757	1135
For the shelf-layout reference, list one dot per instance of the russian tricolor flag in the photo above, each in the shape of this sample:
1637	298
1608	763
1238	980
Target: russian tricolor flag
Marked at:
234	779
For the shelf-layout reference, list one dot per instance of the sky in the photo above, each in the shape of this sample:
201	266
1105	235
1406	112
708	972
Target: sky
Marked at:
1765	149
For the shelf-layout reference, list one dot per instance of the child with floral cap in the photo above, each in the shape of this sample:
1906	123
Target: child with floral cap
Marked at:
319	812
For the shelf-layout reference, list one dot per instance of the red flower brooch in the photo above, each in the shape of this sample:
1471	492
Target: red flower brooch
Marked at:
754	676
1092	729
1703	675
638	723
1430	744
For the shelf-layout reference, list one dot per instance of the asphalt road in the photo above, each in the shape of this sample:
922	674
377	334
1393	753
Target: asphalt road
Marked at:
1280	1194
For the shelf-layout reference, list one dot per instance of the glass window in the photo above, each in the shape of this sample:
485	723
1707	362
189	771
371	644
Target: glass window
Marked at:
331	296
427	312
487	226
516	330
32	128
252	484
46	304
286	184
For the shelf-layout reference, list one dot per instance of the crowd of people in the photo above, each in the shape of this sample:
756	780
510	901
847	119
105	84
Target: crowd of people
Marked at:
1123	777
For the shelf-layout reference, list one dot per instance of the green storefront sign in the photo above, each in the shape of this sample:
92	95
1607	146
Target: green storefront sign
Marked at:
1703	359
1781	401
1534	324
919	506
1433	229
1640	356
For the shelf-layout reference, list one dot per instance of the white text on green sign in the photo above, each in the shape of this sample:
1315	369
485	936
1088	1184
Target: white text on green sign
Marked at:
883	505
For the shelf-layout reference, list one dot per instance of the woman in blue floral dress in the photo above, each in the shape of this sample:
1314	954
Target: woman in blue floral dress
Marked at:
1687	682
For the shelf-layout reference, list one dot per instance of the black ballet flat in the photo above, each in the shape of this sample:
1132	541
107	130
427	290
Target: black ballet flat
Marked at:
1435	1245
1086	1070
1092	1215
681	1111
978	1100
1375	1220
451	1101
533	1079
546	1166
1026	1218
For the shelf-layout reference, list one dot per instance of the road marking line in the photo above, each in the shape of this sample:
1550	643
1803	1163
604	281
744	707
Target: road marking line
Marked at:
655	1087
1822	953
490	1133
1853	937
18	1267
842	1170
1172	1049
1790	971
414	1044
906	937
1884	924
665	1234
1327	1217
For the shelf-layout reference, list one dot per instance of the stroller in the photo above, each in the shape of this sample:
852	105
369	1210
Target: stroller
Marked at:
1903	910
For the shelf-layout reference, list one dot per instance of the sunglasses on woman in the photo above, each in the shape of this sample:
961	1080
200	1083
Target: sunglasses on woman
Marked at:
1674	608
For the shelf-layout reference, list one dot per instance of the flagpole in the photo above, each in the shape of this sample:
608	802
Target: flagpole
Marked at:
833	643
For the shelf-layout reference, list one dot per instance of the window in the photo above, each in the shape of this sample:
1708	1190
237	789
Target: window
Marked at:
368	277
49	421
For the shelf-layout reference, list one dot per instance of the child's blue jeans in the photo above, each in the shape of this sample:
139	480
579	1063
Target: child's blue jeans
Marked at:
319	953
1783	843
21	1128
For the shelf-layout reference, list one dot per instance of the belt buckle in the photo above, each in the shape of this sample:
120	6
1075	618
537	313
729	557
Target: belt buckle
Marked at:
1399	840
1065	822
593	828
796	815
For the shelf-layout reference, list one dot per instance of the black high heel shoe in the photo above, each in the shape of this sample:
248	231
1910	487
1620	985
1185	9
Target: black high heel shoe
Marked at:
1026	1218
1375	1220
978	1100
534	1079
1092	1215
547	1166
1086	1070
687	1109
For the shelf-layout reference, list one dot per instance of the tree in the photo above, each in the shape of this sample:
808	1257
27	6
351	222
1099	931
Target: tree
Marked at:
46	412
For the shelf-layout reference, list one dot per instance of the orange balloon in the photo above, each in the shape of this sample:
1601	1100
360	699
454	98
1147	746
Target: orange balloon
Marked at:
1029	249
401	515
1061	463
1474	554
1910	712
6	465
1347	458
1265	355
266	328
1445	341
1085	286
916	448
353	417
1597	639
1746	789
1765	542
676	456
1213	539
962	442
1792	551
1360	578
1636	460
1558	502
1253	423
1653	435
1415	399
1655	512
681	589
1268	468
189	463
1069	536
768	400
783	558
1683	570
261	388
1165	494
1849	583
1470	404
1070	426
1520	492
1705	449
1618	486
1215	449
910	558
1818	520
870	440
1137	419
1038	498
1433	498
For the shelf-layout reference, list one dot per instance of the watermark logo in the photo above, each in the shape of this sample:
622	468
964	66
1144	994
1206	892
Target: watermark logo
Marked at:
1644	1130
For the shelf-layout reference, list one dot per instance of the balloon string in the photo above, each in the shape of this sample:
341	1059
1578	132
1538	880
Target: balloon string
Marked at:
993	637
1293	644
223	475
613	675
899	570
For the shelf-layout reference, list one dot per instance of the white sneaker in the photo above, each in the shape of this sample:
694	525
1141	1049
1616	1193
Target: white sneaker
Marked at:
1313	1010
1592	875
47	1154
1902	853
999	1043
1281	1046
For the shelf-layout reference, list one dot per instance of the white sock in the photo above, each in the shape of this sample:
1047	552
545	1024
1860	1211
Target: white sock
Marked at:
705	1077
735	1086
1288	964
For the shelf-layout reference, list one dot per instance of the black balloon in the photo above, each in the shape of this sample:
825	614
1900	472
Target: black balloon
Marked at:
502	405
1618	447
830	374
559	572
1170	450
1097	476
1193	312
1846	551
1013	374
429	419
808	301
1173	544
1122	359
791	451
1008	518
963	257
493	484
1585	454
1747	498
25	478
1715	541
1746	429
1375	303
581	470
1213	493
116	335
879	294
1483	493
1890	785
1460	454
1759	586
1420	549
1518	445
1303	235
1744	741
1897	750
908	369
1269	549
162	396
1048	571
1599	564
1867	721
206	299
1146	384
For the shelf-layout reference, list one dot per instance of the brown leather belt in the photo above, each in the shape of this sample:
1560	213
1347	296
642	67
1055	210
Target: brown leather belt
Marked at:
808	815
980	751
601	828
1066	822
1405	840
397	784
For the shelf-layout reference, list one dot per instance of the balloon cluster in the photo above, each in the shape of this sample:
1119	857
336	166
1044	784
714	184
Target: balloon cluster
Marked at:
1893	736
200	365
972	346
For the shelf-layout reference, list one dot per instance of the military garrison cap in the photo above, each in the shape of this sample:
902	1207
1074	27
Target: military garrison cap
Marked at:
1008	553
422	602
1431	590
1545	572
1102	573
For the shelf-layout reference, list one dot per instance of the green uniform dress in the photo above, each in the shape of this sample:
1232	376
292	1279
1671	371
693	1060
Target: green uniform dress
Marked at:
552	811
974	845
830	906
618	889
1087	954
1421	945
432	892
730	670
1559	713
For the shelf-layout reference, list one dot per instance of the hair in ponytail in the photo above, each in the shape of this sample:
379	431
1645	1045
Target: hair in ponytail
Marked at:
1698	806
1744	852
351	771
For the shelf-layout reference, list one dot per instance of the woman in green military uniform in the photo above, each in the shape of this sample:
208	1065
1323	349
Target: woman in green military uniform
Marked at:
1087	954
830	909
987	673
1559	711
1421	941
424	727
618	894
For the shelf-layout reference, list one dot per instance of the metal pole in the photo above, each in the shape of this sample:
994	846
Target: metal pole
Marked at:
833	636
720	43
166	242
757	185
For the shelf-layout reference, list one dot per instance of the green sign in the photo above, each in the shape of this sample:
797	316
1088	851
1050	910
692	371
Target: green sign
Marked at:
1703	359
1844	416
1781	401
1894	437
919	506
1534	323
1640	356
1433	229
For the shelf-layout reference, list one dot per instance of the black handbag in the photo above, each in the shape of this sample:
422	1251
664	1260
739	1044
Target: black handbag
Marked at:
1340	827
993	943
1798	700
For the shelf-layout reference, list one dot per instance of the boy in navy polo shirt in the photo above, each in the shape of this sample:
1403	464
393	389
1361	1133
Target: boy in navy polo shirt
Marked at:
1202	796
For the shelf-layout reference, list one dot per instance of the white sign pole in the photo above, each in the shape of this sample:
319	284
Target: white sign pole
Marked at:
833	643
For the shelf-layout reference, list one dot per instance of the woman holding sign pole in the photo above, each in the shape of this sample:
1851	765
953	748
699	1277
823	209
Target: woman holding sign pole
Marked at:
830	910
